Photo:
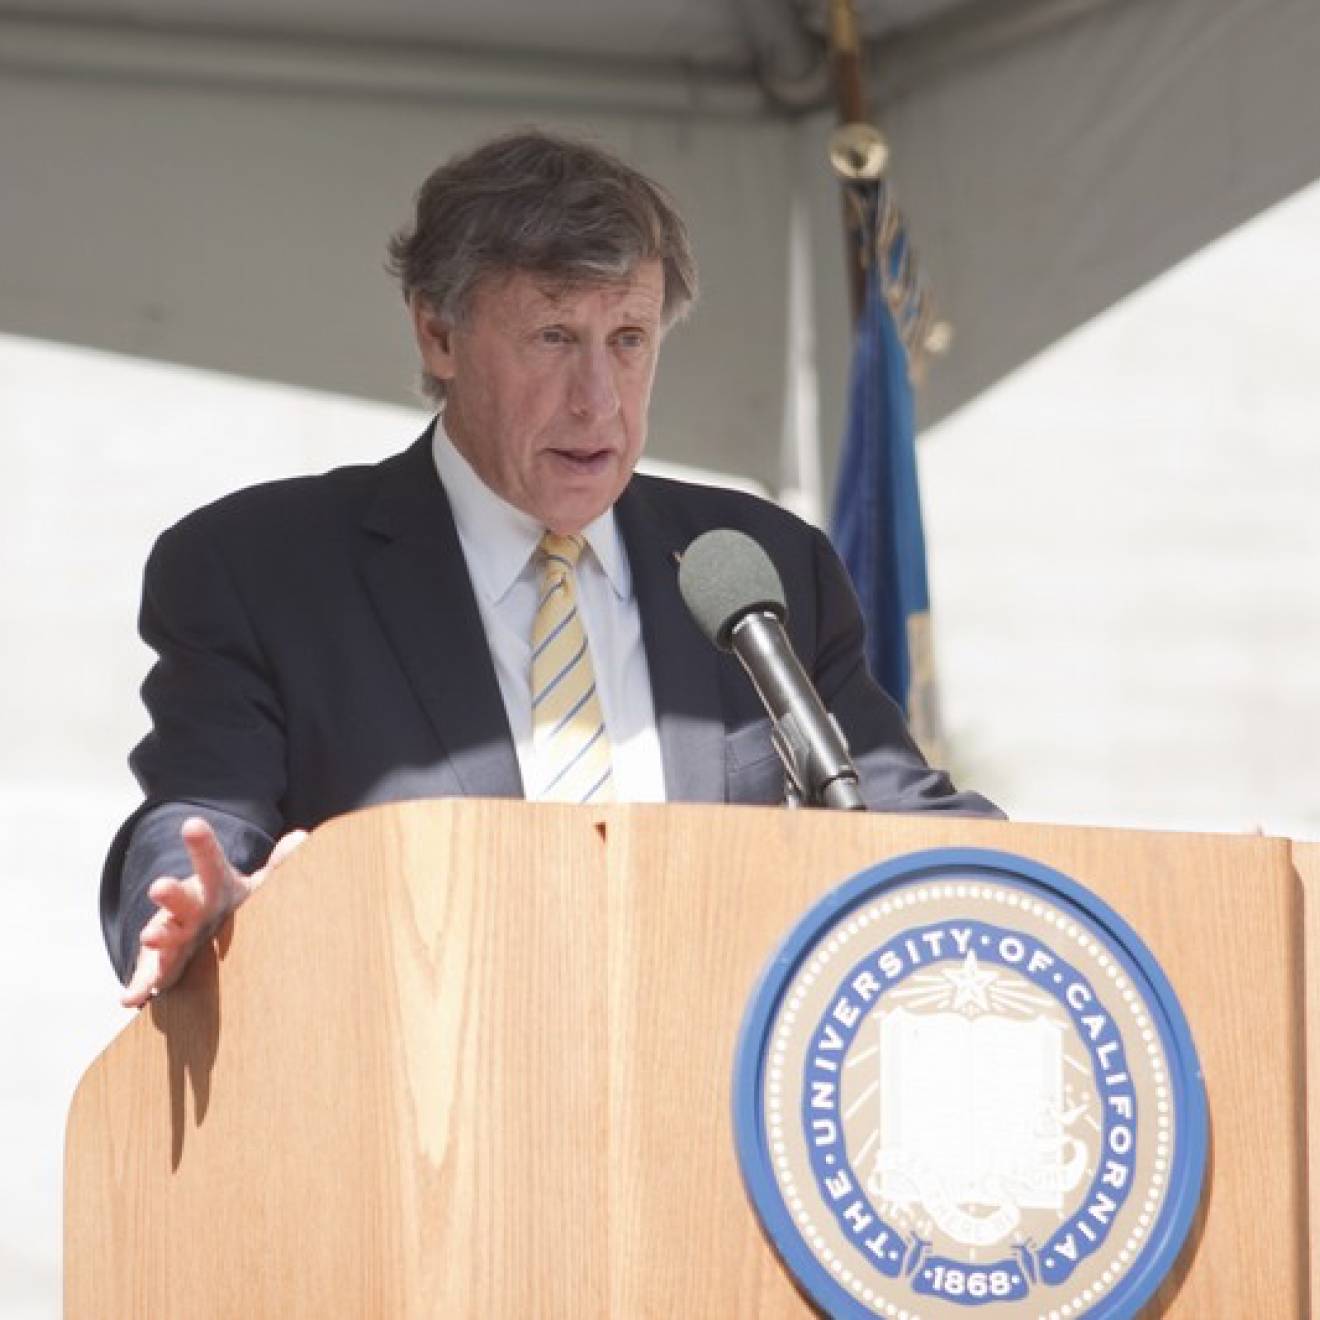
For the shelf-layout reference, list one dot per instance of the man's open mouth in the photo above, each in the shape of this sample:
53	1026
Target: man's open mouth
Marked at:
583	460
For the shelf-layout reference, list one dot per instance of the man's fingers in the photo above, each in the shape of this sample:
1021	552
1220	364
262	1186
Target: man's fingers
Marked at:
184	900
286	846
165	931
208	858
146	979
157	969
282	851
189	910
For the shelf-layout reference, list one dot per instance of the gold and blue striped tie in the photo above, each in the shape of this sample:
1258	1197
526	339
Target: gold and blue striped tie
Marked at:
571	749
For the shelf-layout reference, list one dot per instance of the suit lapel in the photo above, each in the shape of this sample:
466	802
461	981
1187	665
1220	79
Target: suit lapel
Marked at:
417	577
684	666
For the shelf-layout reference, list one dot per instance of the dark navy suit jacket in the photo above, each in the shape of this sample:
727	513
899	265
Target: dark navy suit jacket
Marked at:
320	650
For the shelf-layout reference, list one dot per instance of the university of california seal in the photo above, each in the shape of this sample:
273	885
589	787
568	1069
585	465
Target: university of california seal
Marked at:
964	1087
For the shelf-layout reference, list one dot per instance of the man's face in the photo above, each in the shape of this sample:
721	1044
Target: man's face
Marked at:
547	388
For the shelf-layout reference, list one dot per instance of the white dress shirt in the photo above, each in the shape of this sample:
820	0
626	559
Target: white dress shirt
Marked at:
499	545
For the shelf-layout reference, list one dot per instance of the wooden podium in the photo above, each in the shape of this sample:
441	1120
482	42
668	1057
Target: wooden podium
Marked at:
474	1059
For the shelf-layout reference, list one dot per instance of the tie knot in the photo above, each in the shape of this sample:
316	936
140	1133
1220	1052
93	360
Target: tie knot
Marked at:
566	549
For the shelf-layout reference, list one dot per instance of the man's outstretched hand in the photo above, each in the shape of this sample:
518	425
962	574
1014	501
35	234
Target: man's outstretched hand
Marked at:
190	911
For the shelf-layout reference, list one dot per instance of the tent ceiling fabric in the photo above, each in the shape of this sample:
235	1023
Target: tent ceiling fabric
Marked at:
702	33
212	183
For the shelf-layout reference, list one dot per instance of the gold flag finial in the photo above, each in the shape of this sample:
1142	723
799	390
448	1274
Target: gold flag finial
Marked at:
858	152
939	339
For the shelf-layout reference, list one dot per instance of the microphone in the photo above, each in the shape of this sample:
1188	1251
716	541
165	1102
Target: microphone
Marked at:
734	593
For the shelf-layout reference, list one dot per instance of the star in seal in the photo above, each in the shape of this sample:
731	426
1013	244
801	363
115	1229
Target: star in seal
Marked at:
969	985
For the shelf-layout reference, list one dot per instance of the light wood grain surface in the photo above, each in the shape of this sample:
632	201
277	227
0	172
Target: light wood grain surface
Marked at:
475	1059
1306	858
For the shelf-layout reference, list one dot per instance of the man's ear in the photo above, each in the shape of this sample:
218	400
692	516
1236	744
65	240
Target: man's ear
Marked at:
435	335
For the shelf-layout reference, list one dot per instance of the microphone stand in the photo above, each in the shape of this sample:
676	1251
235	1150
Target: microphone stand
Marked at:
819	772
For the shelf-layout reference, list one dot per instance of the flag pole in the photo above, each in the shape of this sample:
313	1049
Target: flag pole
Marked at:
859	155
851	113
876	525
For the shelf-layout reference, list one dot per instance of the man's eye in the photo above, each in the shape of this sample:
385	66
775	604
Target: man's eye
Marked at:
553	335
630	339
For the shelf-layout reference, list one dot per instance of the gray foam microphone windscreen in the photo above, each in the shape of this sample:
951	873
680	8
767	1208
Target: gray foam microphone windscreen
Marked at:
724	575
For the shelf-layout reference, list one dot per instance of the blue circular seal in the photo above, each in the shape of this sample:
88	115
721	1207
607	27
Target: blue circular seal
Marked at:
964	1082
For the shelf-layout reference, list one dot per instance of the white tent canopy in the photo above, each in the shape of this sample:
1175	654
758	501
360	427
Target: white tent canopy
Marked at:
213	185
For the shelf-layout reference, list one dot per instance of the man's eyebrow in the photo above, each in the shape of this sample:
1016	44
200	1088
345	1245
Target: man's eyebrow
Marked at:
551	293
556	291
642	306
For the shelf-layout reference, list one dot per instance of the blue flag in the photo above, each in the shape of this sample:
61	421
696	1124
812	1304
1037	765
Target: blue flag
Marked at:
877	513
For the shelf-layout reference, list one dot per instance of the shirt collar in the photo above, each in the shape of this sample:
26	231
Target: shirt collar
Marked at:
498	539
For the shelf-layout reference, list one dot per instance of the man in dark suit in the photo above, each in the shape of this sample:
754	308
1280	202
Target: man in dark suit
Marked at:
492	612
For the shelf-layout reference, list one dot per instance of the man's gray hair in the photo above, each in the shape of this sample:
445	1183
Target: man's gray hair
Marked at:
551	206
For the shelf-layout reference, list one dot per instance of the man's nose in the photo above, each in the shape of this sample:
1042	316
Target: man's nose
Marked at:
594	395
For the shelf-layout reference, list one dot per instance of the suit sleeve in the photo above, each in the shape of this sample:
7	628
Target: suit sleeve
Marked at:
893	774
216	746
